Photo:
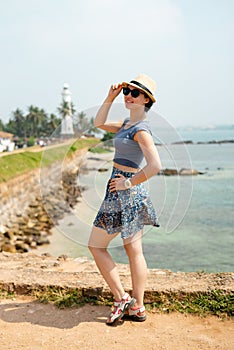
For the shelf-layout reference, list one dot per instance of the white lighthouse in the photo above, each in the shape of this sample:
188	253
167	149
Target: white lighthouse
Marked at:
67	122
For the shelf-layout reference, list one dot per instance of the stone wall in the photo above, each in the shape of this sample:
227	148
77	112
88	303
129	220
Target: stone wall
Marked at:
28	202
29	272
16	194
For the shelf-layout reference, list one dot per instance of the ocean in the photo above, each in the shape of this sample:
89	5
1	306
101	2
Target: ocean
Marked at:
195	212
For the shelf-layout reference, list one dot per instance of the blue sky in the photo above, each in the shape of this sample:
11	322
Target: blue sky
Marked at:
185	45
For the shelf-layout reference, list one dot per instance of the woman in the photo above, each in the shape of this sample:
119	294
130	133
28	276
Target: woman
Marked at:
127	206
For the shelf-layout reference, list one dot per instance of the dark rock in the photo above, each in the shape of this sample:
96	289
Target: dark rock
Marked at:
187	142
8	247
169	172
101	170
182	172
21	247
62	257
42	241
9	234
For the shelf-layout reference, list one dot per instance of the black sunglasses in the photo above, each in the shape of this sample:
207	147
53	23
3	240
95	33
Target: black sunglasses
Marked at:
134	93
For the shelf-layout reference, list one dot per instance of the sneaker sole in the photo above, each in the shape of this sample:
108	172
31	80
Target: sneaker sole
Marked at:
134	318
137	318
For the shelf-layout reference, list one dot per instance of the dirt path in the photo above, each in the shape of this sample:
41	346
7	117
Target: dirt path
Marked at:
29	325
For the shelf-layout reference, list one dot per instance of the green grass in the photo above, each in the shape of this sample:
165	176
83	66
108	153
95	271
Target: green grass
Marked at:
216	302
63	297
6	295
60	297
13	165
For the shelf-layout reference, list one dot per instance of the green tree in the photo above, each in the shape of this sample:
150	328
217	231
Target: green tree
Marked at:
11	127
108	136
31	141
66	109
36	122
42	123
1	125
92	128
31	120
54	121
16	124
53	124
81	122
19	119
84	125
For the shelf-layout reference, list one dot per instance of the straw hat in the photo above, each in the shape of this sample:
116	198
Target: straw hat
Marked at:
145	83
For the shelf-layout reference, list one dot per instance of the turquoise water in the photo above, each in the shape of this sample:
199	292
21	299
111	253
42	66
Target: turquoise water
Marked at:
195	212
206	135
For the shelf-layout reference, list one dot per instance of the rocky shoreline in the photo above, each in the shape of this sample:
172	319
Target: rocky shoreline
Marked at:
32	204
31	228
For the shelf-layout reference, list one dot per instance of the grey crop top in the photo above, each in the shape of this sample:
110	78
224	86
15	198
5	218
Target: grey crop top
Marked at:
128	151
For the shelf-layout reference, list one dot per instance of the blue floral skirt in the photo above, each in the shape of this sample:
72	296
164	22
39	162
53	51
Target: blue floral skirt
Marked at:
126	211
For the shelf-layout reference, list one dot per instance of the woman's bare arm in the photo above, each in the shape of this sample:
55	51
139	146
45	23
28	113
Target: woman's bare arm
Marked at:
100	120
153	163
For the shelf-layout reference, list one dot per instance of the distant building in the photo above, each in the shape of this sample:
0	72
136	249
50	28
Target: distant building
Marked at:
6	143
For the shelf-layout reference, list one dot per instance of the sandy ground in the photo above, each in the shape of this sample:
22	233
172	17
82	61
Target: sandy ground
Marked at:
29	325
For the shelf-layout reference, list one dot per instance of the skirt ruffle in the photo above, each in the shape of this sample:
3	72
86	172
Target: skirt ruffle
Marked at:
126	211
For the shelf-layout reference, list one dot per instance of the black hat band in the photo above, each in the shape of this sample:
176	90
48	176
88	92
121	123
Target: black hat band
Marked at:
141	86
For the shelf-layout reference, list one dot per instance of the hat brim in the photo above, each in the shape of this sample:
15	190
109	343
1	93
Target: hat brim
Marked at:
125	84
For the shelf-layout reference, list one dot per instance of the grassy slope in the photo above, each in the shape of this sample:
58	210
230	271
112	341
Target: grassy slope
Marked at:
15	164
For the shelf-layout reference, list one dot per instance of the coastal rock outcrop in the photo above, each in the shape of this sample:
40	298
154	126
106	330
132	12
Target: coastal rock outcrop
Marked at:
183	171
31	205
32	227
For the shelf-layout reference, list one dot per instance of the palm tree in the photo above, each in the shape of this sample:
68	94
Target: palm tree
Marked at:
53	124
42	122
81	122
54	121
37	120
92	128
66	108
84	125
18	123
32	120
1	125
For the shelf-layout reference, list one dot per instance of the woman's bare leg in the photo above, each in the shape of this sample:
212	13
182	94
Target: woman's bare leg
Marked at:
98	243
138	267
